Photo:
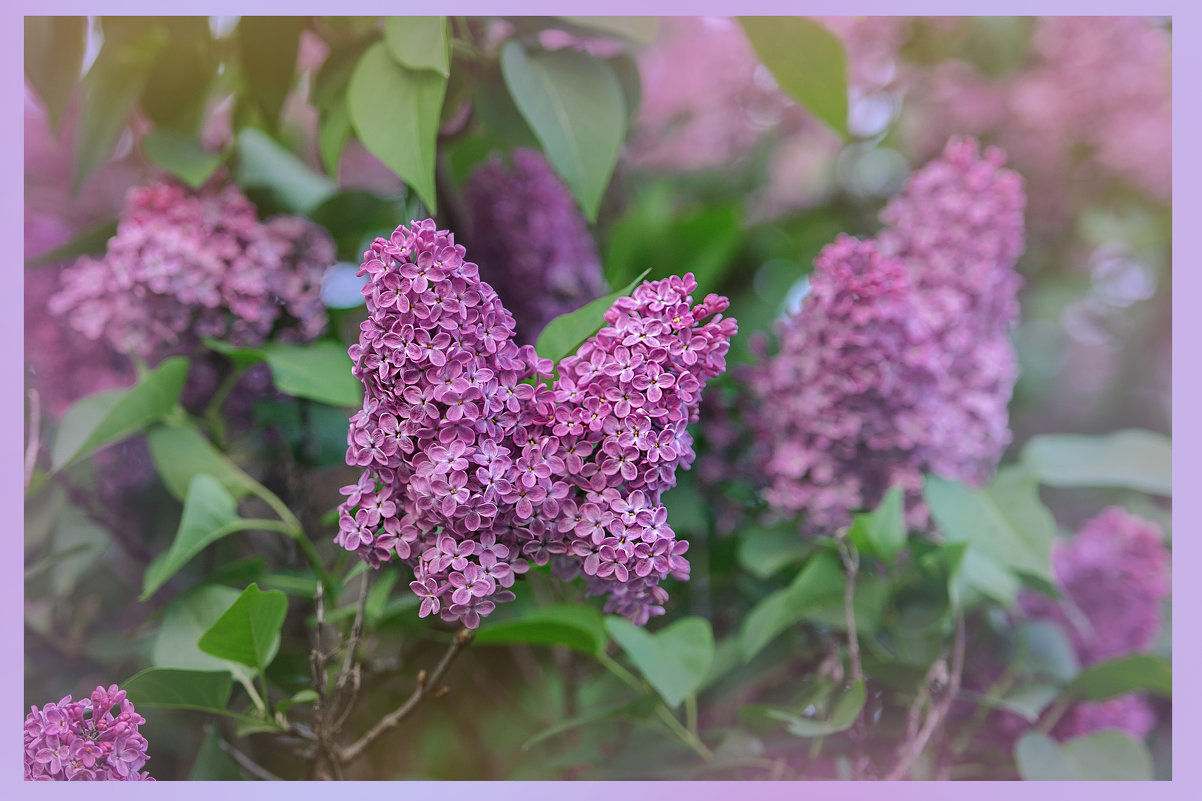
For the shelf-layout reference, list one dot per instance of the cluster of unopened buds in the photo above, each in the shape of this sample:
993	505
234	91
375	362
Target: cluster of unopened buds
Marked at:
474	466
84	741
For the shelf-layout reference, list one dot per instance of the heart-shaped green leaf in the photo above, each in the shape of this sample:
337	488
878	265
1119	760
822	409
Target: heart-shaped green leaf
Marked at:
1127	674
203	690
181	453
577	627
185	621
574	104
567	332
883	532
820	581
1132	459
181	155
395	111
106	417
319	371
807	61
249	631
675	660
419	43
1104	756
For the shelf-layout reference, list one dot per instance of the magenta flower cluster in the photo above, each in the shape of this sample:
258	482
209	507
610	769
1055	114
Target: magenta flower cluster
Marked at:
1115	577
197	264
899	361
532	240
84	741
473	467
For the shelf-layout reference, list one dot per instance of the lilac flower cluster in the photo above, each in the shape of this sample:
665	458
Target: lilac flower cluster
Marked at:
1074	116
843	411
1115	576
471	472
959	228
84	741
899	361
197	264
533	241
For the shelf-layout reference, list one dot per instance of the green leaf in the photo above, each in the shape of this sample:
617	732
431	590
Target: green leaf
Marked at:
266	164
319	371
503	124
356	216
638	709
91	241
765	550
1004	524
1130	459
637	29
213	763
1126	674
674	660
1047	652
420	43
332	136
185	620
395	112
267	49
882	533
182	155
209	514
1103	756
100	419
180	453
54	49
567	332
807	61
574	104
78	544
249	631
578	627
868	604
843	714
110	89
207	691
818	582
177	88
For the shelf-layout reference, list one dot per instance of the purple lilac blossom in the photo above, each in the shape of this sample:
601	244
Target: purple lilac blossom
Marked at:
899	362
1115	576
1073	117
84	741
471	472
186	265
845	409
533	241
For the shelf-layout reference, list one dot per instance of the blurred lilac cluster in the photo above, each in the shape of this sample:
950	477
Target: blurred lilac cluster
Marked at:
83	741
1115	577
899	361
1071	119
471	470
528	233
186	265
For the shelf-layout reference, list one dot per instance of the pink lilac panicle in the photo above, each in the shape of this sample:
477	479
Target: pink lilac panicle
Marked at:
845	409
186	265
958	226
899	362
1073	119
1115	576
85	741
532	240
471	472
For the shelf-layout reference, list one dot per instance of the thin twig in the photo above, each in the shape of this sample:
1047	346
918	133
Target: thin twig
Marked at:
851	562
35	429
913	747
426	685
248	764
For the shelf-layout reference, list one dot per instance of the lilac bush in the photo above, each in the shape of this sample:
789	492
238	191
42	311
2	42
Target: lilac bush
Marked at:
473	470
899	361
528	233
84	741
186	265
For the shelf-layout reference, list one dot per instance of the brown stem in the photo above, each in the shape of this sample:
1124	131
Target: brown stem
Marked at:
426	685
913	746
248	764
35	427
851	562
